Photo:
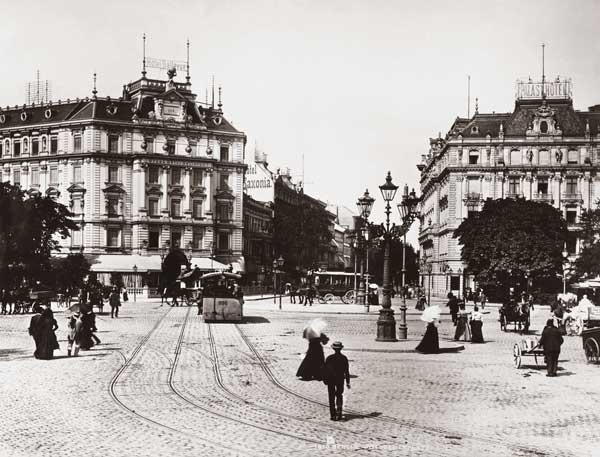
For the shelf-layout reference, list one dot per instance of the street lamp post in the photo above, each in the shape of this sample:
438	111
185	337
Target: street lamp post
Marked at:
429	270
386	324
135	270
280	262
565	255
364	205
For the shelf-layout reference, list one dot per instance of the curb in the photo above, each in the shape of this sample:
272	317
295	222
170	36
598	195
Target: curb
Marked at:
443	350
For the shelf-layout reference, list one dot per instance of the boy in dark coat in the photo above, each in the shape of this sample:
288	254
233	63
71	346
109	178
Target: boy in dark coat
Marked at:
454	307
336	371
551	341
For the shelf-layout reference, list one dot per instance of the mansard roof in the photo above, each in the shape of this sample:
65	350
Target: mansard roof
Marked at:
572	122
121	109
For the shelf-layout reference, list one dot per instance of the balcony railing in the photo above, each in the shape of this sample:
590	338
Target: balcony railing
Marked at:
540	197
569	196
514	195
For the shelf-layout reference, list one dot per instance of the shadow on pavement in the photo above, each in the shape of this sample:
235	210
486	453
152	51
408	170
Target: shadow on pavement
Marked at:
351	416
7	352
255	320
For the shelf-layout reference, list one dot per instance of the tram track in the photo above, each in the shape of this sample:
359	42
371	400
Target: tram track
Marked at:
524	450
218	378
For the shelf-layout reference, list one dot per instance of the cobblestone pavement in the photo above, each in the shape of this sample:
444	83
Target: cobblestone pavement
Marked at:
165	383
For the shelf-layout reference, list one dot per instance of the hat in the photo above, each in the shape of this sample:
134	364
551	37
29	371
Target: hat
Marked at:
550	323
337	345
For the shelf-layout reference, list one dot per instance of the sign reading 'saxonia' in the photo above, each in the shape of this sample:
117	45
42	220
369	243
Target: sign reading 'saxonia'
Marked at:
259	182
555	89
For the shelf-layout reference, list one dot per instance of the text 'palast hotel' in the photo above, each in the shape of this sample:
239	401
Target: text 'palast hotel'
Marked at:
544	150
148	170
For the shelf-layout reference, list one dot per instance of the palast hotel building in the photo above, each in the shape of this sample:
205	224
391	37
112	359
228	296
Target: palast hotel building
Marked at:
142	172
545	150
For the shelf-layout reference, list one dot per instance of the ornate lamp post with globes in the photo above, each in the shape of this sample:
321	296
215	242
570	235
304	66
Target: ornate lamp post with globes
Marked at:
364	205
386	324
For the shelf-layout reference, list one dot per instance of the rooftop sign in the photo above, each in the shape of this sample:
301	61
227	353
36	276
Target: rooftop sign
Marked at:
555	89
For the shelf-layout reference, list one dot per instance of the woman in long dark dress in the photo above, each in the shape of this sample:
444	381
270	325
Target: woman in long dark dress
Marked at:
476	324
87	327
47	338
430	344
462	324
310	368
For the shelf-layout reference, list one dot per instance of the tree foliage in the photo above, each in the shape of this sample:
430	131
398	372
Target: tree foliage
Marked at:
301	232
376	255
69	273
587	264
510	239
30	228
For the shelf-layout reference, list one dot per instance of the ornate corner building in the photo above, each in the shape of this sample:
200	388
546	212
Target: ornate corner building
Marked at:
544	150
149	169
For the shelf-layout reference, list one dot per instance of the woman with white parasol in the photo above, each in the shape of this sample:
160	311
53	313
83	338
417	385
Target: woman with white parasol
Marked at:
430	344
310	368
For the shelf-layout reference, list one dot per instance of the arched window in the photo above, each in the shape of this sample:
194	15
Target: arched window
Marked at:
515	157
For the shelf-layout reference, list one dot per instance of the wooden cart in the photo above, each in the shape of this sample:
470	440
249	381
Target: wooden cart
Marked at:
591	344
528	348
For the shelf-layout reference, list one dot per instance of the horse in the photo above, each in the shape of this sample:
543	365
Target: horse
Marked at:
517	313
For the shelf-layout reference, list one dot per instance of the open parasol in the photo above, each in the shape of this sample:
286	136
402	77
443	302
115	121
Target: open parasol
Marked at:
431	313
314	328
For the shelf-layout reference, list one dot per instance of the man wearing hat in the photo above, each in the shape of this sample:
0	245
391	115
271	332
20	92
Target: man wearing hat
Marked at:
551	341
336	371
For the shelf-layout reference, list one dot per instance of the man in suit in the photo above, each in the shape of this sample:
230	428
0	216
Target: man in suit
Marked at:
336	371
551	341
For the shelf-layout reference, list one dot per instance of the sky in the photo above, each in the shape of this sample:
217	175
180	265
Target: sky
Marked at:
351	89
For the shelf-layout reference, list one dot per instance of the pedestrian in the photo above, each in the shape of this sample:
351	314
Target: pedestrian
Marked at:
87	330
34	331
313	361
462	323
453	305
199	300
530	301
430	343
550	341
335	372
293	293
47	341
482	299
476	323
115	302
310	295
373	298
74	334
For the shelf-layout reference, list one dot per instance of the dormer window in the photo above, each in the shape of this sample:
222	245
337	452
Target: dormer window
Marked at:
475	129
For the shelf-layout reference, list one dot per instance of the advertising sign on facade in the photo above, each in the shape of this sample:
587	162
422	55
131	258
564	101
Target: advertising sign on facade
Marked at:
259	182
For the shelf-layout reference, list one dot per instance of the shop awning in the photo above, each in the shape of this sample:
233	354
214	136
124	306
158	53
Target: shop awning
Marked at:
119	263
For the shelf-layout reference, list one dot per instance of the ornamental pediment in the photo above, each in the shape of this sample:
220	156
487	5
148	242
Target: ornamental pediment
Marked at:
76	188
198	192
155	189
225	195
113	189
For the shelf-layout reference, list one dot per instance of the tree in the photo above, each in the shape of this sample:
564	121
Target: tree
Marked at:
69	273
511	239
29	230
587	264
301	232
376	263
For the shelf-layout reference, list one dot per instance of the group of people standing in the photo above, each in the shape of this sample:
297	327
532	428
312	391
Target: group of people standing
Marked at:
80	333
468	324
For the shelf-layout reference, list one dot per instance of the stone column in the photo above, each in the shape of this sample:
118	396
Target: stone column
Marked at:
164	181
208	203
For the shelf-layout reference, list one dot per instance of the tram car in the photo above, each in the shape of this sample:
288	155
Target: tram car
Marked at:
222	298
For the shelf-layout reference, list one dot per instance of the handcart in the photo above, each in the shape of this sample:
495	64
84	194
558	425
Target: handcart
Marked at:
528	348
591	344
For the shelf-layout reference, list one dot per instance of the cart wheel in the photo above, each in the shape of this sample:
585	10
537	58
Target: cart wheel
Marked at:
329	298
517	355
321	299
592	351
349	298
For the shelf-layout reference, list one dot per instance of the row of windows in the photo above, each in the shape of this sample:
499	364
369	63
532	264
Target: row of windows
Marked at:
514	185
26	146
154	236
40	144
154	208
176	177
516	157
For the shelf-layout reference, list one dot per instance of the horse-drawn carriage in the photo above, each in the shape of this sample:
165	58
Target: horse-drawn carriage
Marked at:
332	284
518	314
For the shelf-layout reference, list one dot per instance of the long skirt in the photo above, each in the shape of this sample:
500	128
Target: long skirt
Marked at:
477	336
430	344
462	327
310	368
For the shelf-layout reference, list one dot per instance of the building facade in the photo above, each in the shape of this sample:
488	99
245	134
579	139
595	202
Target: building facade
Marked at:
543	150
144	171
258	239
